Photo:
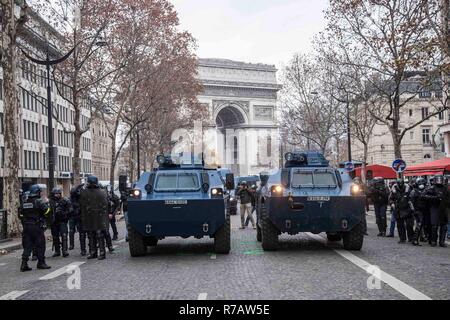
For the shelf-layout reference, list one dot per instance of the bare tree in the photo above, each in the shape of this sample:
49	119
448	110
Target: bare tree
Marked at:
394	39
11	28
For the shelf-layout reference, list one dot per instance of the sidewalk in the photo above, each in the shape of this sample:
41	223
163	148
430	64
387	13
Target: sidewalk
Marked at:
16	243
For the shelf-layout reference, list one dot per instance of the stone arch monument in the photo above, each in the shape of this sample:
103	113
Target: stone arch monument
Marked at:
242	100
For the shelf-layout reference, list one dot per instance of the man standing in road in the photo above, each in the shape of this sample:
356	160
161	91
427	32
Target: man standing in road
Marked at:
402	206
94	216
421	210
379	194
61	210
438	198
245	197
34	212
115	206
75	220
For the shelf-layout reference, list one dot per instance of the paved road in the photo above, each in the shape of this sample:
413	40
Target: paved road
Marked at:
306	267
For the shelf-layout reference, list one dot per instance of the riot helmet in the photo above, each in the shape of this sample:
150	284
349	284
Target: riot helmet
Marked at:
439	180
254	187
56	192
35	191
421	183
378	181
244	183
413	182
92	182
400	183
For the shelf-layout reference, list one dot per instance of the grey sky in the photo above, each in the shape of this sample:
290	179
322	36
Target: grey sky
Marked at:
267	31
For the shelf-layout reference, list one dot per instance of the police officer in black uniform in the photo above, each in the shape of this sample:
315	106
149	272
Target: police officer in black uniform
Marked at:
114	208
438	198
75	220
403	210
34	213
61	211
379	194
421	210
94	216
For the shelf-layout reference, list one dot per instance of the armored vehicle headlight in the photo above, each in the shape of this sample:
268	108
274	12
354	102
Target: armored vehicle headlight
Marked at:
161	159
216	192
278	190
136	193
355	189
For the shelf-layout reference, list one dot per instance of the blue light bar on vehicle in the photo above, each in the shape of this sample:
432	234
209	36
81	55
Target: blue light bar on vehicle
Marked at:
305	159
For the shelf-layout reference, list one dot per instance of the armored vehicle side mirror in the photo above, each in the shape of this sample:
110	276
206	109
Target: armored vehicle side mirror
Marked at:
123	183
285	175
149	188
229	181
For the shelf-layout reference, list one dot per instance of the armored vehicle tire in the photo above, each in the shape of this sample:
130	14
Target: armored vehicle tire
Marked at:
151	241
258	233
136	243
334	237
269	233
353	240
222	238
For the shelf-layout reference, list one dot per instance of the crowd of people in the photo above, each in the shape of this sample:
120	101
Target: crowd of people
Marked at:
90	211
418	208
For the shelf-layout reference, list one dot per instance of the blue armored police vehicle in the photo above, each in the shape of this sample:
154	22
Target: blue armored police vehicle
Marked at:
308	195
178	199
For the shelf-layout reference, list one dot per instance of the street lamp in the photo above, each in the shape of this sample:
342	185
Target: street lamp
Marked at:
47	62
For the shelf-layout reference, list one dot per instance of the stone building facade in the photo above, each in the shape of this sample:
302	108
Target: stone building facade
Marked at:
101	149
242	103
421	144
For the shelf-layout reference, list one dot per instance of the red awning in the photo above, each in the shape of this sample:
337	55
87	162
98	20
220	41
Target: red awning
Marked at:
378	171
432	168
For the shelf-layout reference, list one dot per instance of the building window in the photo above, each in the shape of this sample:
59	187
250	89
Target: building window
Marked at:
427	156
235	149
1	89
411	135
425	94
426	136
441	114
410	112
424	113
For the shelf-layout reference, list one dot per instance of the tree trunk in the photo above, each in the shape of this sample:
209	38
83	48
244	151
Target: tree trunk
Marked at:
363	169
11	123
113	160
76	160
131	158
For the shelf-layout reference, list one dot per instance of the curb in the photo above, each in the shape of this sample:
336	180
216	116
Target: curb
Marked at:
10	247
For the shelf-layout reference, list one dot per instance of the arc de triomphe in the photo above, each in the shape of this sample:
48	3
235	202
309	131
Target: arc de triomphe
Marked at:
241	99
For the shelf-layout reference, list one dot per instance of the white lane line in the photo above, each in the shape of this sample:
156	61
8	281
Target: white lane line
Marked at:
121	241
391	281
213	256
202	296
13	295
2	264
62	270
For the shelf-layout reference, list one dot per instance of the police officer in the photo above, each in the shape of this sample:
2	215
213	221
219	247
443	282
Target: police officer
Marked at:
61	210
33	213
379	194
421	211
253	191
115	206
438	198
403	209
94	216
75	220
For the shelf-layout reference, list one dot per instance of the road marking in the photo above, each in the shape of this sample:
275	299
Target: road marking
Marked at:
213	256
391	281
13	295
121	241
202	296
62	270
2	264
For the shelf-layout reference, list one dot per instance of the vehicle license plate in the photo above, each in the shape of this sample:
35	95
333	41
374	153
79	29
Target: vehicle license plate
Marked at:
319	199
175	202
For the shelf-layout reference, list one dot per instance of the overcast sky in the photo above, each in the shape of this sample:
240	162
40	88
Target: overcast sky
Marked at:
266	31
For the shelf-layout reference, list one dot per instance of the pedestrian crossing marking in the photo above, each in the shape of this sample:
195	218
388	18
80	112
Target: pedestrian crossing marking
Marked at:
62	270
13	295
391	281
202	296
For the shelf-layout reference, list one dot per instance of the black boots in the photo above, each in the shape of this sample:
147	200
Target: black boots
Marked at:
57	247
24	266
72	240
442	236
92	237
64	245
434	236
43	265
108	240
83	243
101	246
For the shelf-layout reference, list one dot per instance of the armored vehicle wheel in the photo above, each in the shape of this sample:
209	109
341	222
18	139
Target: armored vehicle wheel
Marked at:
353	240
151	241
136	243
222	238
258	234
269	234
334	237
